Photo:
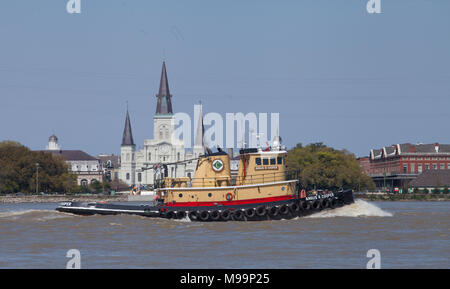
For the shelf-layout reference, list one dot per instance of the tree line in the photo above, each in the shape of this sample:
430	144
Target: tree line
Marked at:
19	167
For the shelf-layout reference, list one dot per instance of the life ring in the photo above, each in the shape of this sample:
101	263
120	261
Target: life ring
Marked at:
229	196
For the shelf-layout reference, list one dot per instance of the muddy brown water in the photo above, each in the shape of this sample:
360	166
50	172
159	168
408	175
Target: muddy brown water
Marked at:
407	234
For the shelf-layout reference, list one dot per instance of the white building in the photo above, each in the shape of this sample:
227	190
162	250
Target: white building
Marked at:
87	168
137	166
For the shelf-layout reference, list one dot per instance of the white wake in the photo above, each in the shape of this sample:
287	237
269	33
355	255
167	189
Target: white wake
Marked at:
359	208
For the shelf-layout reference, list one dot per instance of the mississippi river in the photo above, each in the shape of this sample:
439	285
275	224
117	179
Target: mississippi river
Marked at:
407	235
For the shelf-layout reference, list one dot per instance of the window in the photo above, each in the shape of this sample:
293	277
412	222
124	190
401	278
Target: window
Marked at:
116	175
419	168
442	167
258	161
272	161
412	158
427	166
419	158
280	160
434	166
265	162
178	156
412	168
84	183
149	156
405	169
139	177
128	157
128	176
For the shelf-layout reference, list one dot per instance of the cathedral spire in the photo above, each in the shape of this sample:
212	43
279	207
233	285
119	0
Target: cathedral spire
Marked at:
164	105
127	138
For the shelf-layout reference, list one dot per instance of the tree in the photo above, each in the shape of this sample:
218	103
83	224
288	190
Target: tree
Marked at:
323	167
19	167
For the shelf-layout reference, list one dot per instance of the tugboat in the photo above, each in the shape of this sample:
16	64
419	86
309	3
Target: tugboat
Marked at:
262	190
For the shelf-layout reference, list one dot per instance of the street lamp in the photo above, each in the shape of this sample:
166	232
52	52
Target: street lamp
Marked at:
37	178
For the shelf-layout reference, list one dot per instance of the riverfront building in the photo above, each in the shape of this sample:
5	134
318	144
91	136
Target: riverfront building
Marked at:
396	165
87	168
138	167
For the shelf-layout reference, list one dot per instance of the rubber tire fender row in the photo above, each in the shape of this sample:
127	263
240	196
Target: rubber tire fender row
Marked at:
225	215
204	216
193	215
261	211
250	213
215	215
284	210
273	211
238	215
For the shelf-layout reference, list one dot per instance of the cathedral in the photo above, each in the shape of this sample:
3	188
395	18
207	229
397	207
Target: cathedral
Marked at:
138	167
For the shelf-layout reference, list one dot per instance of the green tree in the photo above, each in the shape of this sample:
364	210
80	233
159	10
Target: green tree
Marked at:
20	166
97	187
323	167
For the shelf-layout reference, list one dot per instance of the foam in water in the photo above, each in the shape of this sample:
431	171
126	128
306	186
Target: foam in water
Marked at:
359	208
40	215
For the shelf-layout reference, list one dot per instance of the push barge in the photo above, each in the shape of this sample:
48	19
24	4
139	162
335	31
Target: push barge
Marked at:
262	190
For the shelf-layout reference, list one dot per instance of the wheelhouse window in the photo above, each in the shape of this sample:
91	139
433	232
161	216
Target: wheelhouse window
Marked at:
272	161
265	162
258	161
280	160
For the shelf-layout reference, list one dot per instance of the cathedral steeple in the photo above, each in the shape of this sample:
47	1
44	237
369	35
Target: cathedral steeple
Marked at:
127	138
164	105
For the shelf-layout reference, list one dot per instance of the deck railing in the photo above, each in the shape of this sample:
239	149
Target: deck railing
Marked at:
230	181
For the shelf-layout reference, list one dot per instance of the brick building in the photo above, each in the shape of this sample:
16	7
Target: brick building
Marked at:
396	165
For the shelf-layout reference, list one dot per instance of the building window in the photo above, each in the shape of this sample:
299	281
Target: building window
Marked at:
178	156
116	175
93	181
128	176
448	166
405	169
258	161
442	167
419	168
419	158
434	166
412	158
139	177
412	168
149	156
427	166
84	182
128	157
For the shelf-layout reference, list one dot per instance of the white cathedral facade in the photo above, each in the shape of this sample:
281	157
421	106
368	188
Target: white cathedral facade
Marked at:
138	166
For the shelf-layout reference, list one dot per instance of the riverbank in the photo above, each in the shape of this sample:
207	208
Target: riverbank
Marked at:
8	199
403	197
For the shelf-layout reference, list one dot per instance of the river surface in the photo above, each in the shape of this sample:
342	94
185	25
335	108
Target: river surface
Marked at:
407	235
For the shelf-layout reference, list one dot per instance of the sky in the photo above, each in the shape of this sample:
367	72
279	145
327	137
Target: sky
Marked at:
335	73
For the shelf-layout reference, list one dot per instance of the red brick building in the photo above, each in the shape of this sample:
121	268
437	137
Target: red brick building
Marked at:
396	165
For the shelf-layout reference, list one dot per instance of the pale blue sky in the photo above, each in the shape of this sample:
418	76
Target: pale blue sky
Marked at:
335	73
